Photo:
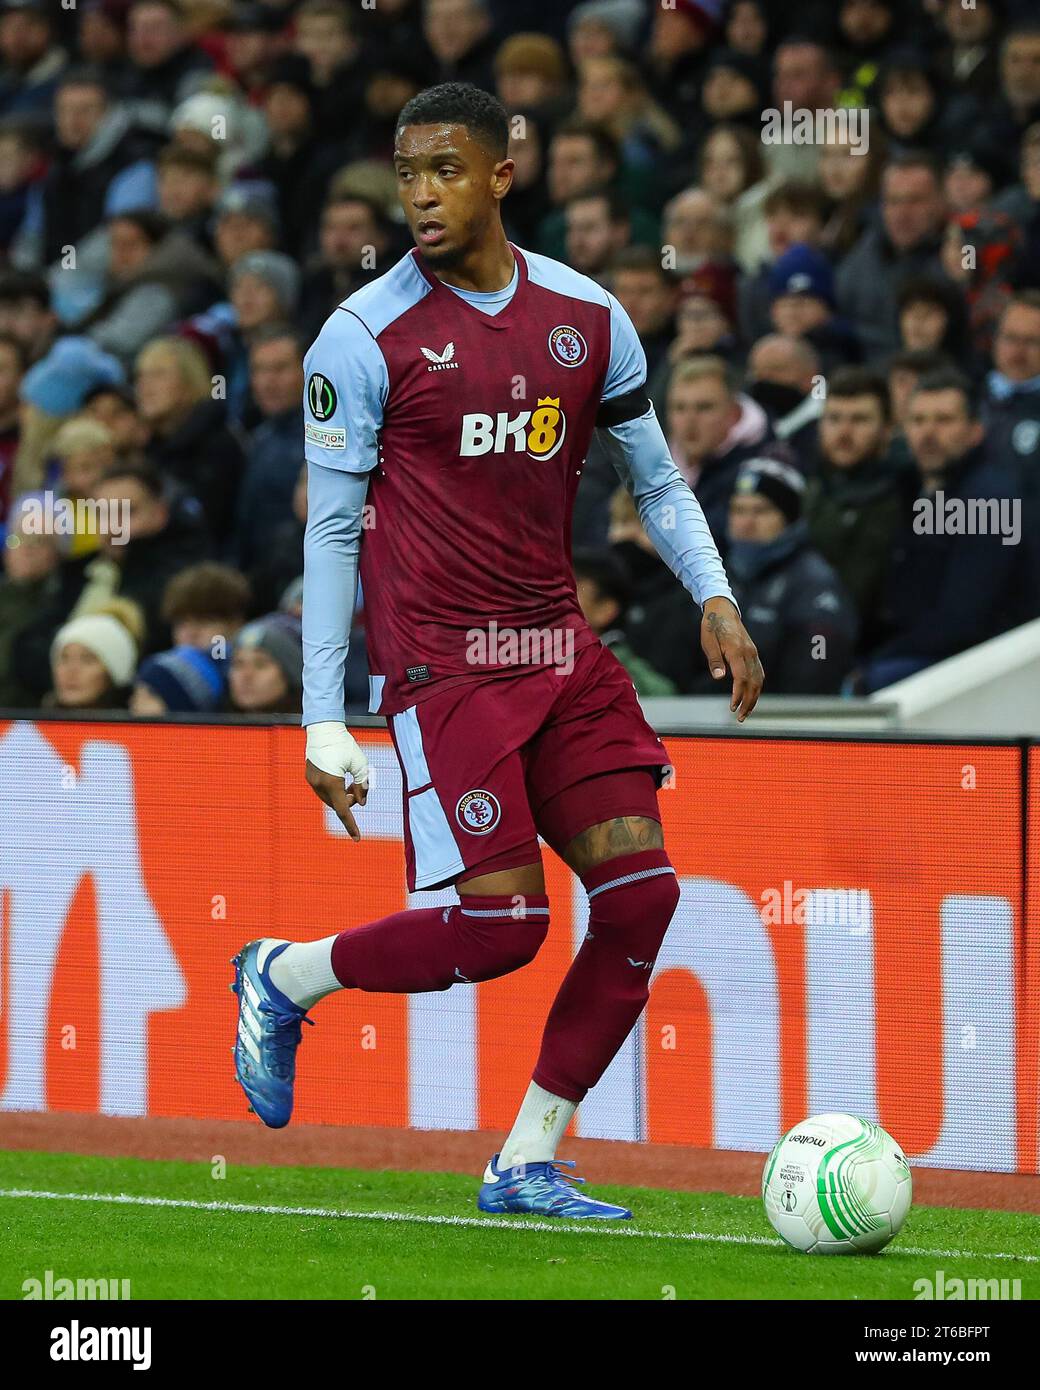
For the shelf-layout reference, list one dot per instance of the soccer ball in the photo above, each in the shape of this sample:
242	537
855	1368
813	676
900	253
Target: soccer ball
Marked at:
837	1185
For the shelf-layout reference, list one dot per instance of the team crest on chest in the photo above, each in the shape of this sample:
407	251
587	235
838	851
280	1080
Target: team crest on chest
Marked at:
478	812
567	346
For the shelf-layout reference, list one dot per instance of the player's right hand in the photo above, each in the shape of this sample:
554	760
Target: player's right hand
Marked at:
337	769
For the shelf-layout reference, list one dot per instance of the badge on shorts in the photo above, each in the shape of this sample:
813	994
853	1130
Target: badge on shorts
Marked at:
478	812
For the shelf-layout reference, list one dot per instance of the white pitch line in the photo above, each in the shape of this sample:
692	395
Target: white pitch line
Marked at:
493	1223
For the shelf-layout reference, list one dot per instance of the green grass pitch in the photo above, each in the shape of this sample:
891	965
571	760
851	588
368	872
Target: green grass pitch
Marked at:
349	1234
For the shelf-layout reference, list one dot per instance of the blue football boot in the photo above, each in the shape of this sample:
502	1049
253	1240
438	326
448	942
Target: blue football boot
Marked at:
269	1032
542	1189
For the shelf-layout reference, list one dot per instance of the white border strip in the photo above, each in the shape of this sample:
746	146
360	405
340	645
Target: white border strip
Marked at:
590	1227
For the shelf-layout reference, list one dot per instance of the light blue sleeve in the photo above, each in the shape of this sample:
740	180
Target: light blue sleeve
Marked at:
627	369
331	550
670	513
345	389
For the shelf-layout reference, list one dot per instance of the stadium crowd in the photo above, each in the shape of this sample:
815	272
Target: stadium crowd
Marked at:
842	335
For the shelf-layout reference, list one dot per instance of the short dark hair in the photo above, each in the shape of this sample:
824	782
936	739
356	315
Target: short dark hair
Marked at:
950	379
605	568
914	159
274	333
799	196
919	360
607	149
460	103
24	284
860	381
140	472
618	208
153	225
641	258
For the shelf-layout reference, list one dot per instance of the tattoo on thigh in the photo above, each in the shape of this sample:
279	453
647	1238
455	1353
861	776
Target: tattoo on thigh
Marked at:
611	838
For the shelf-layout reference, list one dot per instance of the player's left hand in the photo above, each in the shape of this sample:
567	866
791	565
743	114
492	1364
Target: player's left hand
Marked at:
725	643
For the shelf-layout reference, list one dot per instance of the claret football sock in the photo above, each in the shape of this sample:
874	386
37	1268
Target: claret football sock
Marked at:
303	972
538	1129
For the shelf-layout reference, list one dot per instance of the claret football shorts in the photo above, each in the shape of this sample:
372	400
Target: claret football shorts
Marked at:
479	760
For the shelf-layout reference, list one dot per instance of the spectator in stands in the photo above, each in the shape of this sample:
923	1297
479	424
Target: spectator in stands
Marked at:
596	28
266	675
785	378
1011	411
854	502
957	576
677	53
598	228
160	535
155	276
732	173
190	442
904	370
85	451
12	368
460	37
604	592
115	407
802	620
162	59
94	657
801	285
531	75
613	94
274	449
806	74
969	55
795	214
102	165
181	681
712	431
188	190
29	561
246	220
205	606
26	313
649	295
905	243
662	626
354	246
850	179
33	59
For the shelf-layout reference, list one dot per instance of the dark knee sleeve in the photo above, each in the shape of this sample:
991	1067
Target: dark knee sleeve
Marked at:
496	935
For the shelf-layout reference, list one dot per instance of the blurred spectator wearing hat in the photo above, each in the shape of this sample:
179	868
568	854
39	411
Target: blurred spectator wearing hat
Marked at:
604	592
51	390
245	219
181	681
531	74
94	657
801	285
266	675
217	121
802	619
190	441
600	28
33	59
